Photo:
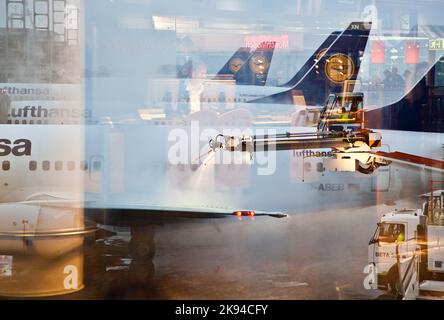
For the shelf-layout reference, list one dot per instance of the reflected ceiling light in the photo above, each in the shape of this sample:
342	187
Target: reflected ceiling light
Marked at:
289	28
164	23
378	37
151	114
179	24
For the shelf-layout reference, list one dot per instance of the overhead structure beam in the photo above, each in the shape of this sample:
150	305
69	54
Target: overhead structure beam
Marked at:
15	14
41	14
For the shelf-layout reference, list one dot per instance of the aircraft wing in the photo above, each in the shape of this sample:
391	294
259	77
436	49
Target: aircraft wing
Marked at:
128	209
55	199
105	213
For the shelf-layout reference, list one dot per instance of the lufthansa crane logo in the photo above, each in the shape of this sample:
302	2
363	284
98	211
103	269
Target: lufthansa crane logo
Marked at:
339	68
259	64
236	64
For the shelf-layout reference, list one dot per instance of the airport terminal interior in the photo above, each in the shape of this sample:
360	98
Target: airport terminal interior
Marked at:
222	149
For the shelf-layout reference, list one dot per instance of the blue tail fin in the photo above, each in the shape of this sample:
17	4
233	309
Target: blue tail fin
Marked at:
255	70
334	71
312	60
233	65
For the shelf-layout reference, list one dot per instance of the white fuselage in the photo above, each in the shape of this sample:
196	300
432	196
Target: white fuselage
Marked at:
128	165
51	163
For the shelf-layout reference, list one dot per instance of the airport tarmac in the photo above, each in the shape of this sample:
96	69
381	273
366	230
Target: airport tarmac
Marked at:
307	256
312	254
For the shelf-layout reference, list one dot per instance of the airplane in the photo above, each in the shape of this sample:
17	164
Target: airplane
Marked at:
51	166
47	112
248	68
94	167
37	173
331	68
61	103
246	85
46	171
239	68
52	172
41	91
335	70
43	103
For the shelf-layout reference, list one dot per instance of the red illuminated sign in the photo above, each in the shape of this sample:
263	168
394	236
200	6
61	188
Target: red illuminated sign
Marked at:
412	53
378	52
253	42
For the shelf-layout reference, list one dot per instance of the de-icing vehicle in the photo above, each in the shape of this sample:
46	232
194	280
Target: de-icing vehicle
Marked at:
341	128
406	253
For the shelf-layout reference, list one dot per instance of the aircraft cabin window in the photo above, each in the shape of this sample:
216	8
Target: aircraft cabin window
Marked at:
83	165
71	165
46	165
32	165
6	165
96	165
58	165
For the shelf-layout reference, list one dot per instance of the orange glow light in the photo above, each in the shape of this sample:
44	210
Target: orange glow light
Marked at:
244	213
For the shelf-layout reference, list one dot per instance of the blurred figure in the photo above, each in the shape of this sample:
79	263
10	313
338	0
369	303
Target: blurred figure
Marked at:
184	71
397	81
195	86
407	74
392	79
168	104
393	84
222	98
387	82
5	105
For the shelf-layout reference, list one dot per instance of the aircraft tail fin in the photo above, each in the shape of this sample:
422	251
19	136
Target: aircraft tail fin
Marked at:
312	60
255	70
233	65
336	70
